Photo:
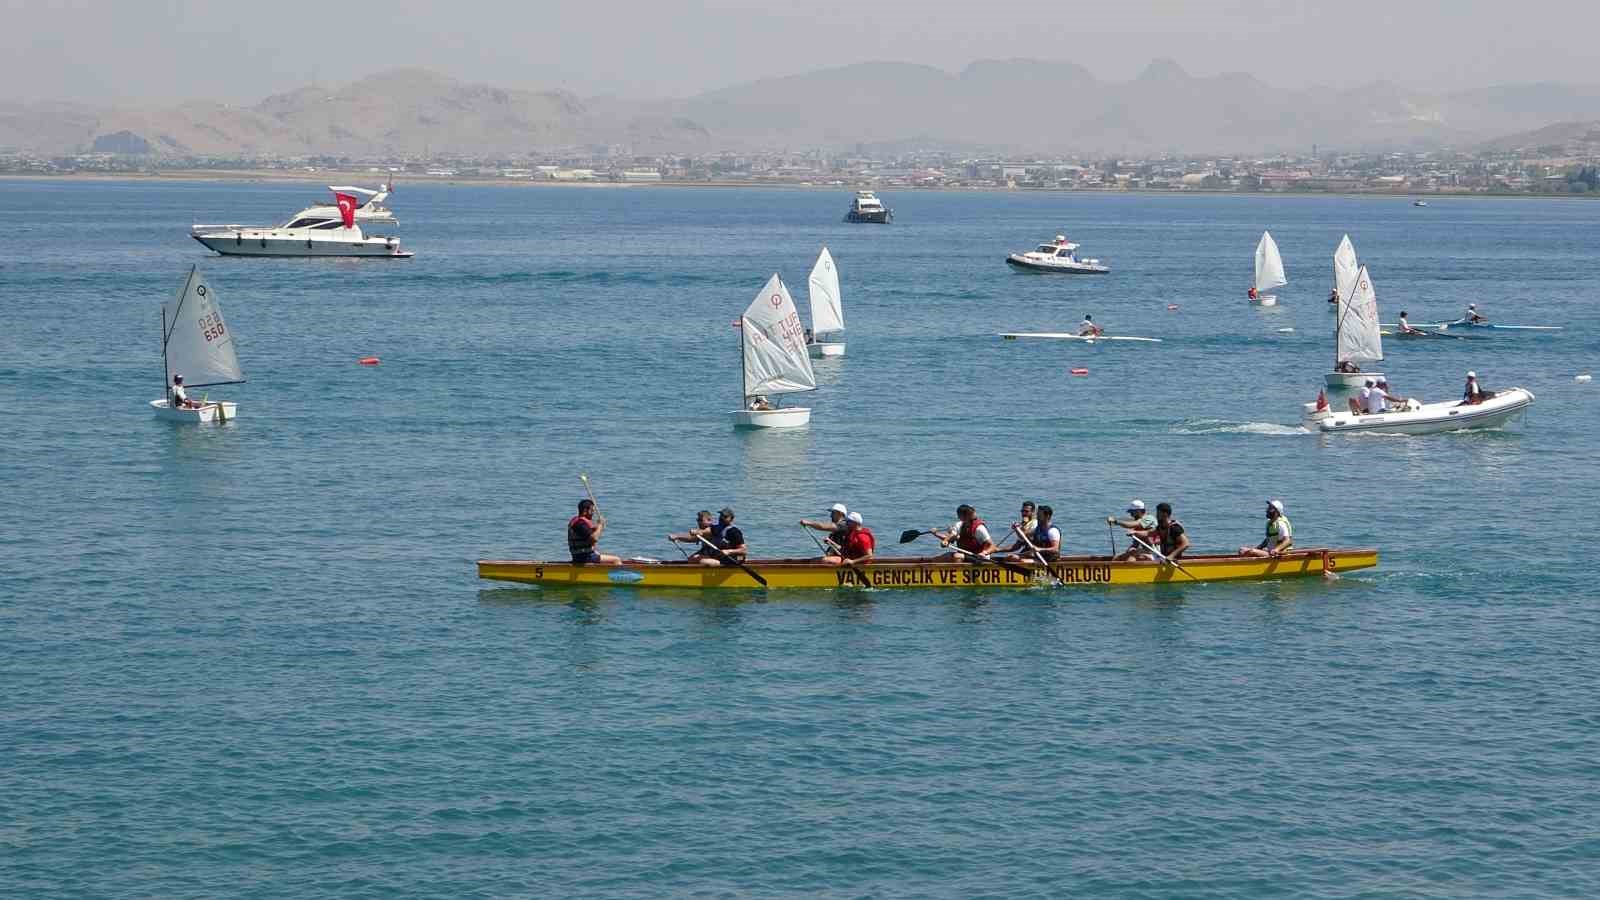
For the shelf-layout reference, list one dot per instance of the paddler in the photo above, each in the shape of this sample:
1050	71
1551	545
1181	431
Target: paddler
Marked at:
1280	534
968	533
837	527
1044	535
1087	328
1472	316
726	537
1405	326
1169	535
583	534
856	547
702	526
1139	523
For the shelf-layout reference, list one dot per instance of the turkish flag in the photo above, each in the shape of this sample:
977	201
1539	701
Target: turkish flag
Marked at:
347	208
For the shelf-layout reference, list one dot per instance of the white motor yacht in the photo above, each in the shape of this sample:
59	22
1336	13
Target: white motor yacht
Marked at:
868	208
1060	257
355	224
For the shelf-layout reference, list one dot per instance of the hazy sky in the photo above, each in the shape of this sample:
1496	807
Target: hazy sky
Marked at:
242	50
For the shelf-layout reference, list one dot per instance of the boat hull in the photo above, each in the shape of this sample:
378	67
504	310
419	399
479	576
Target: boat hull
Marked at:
782	417
1068	336
254	244
882	217
1265	300
925	572
1349	380
1429	418
220	411
818	351
1027	265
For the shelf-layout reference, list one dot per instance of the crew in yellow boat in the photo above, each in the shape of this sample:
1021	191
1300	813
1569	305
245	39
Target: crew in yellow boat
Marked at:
583	535
837	527
726	537
1169	536
1139	523
968	533
1042	533
702	526
857	546
1280	534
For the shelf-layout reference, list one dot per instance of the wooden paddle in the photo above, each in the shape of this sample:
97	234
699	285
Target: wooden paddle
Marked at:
865	581
1159	556
725	558
912	534
583	477
1054	581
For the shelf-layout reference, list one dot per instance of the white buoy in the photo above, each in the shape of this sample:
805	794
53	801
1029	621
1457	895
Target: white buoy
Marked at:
1584	379
1285	330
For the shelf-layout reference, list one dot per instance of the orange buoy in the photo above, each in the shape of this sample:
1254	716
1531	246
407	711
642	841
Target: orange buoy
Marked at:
1080	371
369	360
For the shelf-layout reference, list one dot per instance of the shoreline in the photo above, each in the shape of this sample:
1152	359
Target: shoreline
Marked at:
322	178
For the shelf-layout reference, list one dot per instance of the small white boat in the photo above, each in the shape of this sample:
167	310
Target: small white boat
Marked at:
827	308
1357	339
322	230
1419	203
866	207
1269	272
1067	336
772	349
1423	418
197	344
1060	257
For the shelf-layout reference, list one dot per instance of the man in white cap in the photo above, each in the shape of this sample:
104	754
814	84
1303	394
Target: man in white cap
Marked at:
1473	394
1472	315
1139	523
180	397
1280	534
837	526
857	546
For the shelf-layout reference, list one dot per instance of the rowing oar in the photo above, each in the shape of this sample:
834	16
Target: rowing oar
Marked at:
912	534
1111	532
583	477
1054	581
725	558
1159	556
865	582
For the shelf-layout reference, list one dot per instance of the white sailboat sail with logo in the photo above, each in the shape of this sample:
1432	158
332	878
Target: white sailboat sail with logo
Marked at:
827	308
1345	266
1356	336
197	345
773	351
1269	272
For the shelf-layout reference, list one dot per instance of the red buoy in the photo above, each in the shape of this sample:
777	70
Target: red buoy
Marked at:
369	360
1080	371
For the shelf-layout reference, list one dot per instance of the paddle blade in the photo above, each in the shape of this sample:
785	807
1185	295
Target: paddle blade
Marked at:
910	535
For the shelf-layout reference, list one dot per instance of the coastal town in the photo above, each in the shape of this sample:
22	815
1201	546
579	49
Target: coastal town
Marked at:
1570	168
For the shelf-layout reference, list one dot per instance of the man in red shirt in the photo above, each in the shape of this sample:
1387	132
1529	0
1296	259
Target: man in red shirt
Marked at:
858	544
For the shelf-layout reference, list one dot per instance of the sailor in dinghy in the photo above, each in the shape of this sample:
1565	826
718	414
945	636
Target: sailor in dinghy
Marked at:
195	342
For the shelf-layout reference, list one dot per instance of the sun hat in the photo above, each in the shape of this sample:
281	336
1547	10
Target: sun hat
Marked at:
1472	374
854	517
1137	504
839	508
1276	504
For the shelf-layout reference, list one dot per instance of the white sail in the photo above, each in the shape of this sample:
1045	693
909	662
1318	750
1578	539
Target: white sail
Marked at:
827	310
197	343
1269	265
775	357
1358	338
1344	267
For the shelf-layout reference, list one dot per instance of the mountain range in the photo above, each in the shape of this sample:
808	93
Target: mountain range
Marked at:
1003	106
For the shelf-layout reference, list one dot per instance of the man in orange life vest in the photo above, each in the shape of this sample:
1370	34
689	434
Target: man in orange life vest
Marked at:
968	533
583	533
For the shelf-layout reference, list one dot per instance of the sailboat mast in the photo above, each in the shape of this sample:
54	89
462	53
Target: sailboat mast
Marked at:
166	376
744	386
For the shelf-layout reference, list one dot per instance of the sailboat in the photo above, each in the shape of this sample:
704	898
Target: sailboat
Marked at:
1356	337
827	309
196	344
1345	266
773	350
1269	271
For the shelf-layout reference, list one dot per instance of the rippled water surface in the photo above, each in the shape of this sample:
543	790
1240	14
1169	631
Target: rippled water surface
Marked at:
254	660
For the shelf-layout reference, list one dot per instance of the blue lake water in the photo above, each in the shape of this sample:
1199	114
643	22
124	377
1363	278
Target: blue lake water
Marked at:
255	660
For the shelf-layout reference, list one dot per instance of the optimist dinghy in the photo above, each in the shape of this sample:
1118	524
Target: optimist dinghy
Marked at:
1356	337
196	343
1423	418
827	308
772	347
1269	272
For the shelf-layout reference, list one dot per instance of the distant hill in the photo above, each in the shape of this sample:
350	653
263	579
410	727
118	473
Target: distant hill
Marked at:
1561	135
1013	105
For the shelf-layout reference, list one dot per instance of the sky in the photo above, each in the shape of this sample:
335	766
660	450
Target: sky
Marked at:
161	51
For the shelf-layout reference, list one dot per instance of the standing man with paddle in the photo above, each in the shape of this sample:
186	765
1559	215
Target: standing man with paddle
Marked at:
583	534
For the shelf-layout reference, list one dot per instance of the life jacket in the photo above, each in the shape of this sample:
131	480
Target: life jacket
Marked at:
1163	533
967	537
1041	537
717	537
1272	529
859	543
579	545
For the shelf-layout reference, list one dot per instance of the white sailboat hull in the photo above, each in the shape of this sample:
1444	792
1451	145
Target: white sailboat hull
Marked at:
1349	379
1427	418
818	351
300	243
783	417
219	411
1069	336
1265	300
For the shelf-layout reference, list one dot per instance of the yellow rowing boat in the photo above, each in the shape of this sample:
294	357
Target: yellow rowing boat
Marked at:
925	572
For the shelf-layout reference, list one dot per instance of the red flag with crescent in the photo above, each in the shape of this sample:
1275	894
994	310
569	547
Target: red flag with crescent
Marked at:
347	208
